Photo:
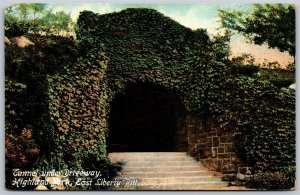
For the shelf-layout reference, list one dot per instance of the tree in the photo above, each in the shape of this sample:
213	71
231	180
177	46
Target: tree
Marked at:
273	24
291	67
244	58
35	18
220	45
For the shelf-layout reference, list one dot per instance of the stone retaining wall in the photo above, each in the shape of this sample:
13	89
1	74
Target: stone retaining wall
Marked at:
214	147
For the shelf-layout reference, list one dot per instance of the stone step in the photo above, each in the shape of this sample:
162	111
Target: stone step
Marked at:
158	154
200	183
162	168
177	186
164	171
151	158
166	174
170	180
161	163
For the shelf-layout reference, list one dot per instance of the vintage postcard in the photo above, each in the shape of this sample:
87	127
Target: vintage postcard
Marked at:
150	96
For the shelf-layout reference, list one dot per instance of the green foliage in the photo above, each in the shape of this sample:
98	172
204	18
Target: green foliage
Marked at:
24	18
257	109
270	181
246	70
273	24
79	128
234	96
31	103
270	65
15	106
290	176
282	82
291	67
244	58
277	74
220	45
108	171
43	164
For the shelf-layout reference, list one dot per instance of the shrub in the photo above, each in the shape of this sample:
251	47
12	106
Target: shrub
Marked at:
282	82
246	70
20	153
270	181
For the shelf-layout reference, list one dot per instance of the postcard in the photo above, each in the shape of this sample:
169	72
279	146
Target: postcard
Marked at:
140	97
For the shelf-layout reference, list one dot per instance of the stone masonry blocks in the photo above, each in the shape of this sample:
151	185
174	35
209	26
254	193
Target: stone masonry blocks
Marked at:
213	145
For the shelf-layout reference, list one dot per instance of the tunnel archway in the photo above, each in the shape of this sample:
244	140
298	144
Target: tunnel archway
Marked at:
146	118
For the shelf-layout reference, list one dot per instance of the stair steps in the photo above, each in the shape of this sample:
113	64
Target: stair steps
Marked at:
164	171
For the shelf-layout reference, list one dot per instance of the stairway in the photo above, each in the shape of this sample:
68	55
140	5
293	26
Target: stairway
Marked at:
164	171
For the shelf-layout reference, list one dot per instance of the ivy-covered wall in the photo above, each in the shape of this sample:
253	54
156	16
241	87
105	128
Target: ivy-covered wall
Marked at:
142	45
78	107
158	51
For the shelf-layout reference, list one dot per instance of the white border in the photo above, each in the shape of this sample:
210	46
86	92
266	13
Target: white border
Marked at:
5	3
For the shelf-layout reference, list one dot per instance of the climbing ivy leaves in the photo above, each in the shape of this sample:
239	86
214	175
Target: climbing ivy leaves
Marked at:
142	45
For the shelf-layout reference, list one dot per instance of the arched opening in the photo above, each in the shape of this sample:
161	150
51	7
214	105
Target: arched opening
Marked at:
146	118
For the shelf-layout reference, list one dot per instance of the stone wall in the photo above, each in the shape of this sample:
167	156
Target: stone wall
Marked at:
214	147
181	135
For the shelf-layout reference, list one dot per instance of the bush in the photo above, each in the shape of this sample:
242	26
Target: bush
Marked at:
246	70
20	153
108	170
282	82
290	174
270	181
16	107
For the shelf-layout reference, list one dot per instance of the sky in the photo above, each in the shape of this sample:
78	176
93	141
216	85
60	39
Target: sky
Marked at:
192	16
